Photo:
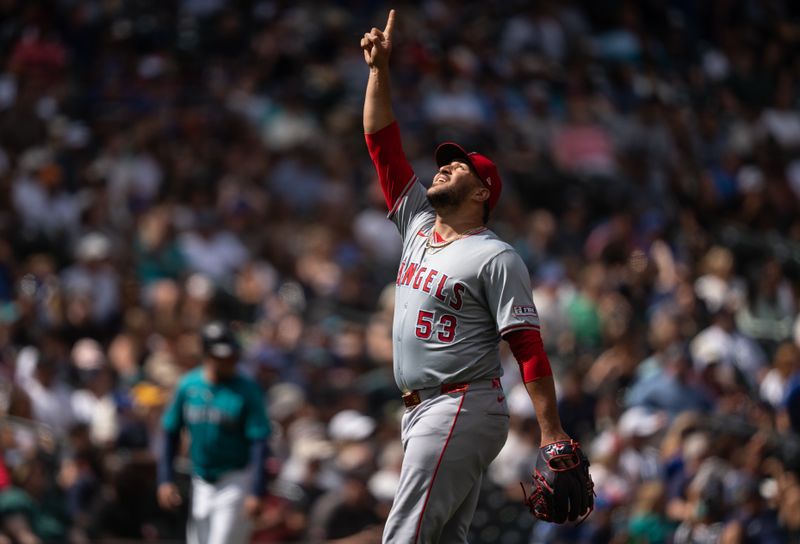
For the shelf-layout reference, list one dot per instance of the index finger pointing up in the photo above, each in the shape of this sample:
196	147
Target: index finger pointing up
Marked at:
389	25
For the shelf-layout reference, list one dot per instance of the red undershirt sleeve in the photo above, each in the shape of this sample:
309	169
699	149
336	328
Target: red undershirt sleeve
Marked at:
394	171
528	350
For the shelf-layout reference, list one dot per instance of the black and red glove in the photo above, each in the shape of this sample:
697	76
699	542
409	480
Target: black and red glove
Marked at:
562	486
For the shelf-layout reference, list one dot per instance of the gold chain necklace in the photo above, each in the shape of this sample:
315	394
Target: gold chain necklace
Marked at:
430	244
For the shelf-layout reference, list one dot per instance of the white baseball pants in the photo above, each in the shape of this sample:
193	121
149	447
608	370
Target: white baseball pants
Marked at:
217	515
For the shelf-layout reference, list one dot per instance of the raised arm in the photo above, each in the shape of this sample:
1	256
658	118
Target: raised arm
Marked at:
380	129
377	47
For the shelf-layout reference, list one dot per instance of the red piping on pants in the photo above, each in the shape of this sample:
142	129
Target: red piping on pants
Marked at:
436	470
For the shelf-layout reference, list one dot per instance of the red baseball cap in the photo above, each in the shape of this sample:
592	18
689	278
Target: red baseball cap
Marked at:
481	164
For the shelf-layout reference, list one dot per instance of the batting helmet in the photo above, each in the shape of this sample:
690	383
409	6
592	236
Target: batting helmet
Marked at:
219	340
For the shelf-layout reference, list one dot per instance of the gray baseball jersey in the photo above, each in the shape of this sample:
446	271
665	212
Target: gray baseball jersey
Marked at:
453	301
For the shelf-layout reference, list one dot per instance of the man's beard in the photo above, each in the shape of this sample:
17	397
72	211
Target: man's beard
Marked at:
449	198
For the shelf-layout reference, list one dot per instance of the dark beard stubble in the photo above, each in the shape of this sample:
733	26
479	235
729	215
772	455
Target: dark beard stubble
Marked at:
450	198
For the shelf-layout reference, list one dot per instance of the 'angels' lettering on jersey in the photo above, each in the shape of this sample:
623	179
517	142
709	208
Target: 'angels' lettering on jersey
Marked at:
453	302
431	281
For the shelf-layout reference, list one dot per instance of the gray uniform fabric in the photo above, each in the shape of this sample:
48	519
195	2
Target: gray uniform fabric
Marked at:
452	304
449	441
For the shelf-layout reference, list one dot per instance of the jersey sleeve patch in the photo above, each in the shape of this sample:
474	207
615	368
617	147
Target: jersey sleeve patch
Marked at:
524	311
508	293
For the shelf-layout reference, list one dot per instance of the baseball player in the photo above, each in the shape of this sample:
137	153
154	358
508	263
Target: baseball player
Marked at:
459	289
225	416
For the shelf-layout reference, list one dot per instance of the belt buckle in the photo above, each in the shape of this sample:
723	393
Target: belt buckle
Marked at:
411	398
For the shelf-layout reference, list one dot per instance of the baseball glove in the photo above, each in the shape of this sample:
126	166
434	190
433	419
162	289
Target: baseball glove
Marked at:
562	486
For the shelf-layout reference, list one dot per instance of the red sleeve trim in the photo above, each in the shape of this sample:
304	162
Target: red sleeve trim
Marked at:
519	327
394	172
528	350
401	196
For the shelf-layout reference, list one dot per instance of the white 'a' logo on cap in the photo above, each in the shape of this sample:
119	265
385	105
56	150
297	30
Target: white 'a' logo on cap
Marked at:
488	181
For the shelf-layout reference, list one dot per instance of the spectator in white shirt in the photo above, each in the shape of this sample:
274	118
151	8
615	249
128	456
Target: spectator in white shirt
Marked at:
211	250
50	398
95	277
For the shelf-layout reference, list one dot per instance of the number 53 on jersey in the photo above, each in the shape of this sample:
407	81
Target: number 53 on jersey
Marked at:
441	328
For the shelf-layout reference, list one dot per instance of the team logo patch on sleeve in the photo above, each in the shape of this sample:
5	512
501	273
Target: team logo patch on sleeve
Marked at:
524	311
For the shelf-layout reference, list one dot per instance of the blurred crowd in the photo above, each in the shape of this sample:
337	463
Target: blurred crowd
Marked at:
162	163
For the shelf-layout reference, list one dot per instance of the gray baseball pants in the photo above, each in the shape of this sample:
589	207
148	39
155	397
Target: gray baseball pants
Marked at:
449	441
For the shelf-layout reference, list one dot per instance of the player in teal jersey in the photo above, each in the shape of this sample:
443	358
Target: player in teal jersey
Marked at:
225	416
